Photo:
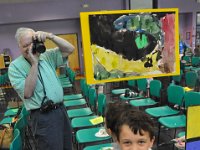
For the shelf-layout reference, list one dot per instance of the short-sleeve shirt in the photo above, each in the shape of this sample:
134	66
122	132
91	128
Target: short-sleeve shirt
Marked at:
48	62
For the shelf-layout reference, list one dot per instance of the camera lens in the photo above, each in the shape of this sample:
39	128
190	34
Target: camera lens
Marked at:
38	47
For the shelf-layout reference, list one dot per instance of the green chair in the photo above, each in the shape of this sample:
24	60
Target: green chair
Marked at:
17	141
92	98
75	104
69	86
86	137
7	120
175	94
84	122
79	103
142	85
83	139
179	121
132	84
155	93
180	134
187	59
98	147
86	88
76	96
141	88
117	92
72	97
9	115
80	112
178	78
191	79
195	63
101	104
11	112
20	125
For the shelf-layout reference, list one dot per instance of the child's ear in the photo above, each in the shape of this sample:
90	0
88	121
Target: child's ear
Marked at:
152	141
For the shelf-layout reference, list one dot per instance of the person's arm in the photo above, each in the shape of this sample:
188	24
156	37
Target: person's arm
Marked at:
31	79
65	47
180	142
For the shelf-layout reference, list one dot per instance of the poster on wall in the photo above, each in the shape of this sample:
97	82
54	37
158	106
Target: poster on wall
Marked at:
130	44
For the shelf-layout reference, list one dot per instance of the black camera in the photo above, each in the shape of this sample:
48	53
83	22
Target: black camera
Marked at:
38	46
46	106
127	91
130	94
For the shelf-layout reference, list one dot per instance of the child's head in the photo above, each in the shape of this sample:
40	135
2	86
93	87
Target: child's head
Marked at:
113	111
134	130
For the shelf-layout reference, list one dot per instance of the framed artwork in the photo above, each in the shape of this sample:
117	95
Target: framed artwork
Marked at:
130	44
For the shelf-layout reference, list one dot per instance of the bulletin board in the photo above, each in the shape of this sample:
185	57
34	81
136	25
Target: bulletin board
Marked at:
130	44
73	59
193	128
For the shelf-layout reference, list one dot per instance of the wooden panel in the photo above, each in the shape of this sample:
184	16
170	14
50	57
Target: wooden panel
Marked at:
73	59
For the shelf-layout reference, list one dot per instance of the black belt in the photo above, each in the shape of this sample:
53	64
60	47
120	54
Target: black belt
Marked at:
57	105
54	106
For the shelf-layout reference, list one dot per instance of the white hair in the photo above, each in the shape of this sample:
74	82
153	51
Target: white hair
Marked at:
21	32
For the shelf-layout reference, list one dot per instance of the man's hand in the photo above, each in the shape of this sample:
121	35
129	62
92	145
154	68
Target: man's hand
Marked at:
42	36
65	47
33	58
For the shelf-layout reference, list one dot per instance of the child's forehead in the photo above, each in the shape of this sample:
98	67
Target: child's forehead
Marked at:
125	129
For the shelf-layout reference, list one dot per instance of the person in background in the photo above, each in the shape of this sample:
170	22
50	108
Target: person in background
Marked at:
134	130
197	51
180	142
33	76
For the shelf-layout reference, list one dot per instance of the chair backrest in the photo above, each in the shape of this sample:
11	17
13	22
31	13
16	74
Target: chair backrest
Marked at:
101	103
142	84
178	78
86	91
92	97
68	70
16	144
192	98
175	94
155	88
72	76
187	59
131	83
25	114
191	78
20	124
195	61
84	88
82	84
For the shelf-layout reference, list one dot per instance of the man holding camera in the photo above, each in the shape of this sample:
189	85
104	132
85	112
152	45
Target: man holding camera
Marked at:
33	76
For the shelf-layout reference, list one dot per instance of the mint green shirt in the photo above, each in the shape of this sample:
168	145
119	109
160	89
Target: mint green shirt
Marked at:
48	62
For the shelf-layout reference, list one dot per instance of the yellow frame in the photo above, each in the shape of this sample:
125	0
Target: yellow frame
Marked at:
85	26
